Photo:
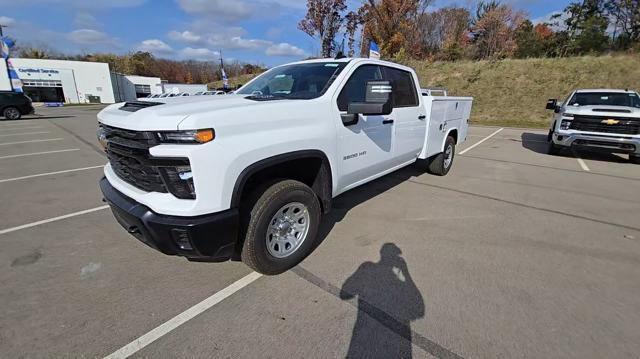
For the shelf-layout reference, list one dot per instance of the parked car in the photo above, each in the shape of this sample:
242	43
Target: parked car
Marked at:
14	105
249	176
599	119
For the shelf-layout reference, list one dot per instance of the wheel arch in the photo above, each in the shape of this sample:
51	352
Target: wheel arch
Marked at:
285	164
453	132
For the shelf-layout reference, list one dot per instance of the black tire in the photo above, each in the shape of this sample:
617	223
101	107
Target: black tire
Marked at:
553	149
258	214
438	164
11	113
634	159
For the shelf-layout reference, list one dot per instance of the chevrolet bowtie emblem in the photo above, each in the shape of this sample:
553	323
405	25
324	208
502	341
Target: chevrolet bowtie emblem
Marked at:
610	122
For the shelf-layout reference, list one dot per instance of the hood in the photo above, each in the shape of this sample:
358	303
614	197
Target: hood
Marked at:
166	114
607	111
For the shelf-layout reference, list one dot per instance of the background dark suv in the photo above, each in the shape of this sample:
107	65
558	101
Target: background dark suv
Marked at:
14	104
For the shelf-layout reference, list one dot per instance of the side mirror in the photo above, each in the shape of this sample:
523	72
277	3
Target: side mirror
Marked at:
552	104
377	100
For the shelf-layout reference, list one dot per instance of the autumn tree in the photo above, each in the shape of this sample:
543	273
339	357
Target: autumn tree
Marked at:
626	21
586	25
324	19
494	29
444	33
391	24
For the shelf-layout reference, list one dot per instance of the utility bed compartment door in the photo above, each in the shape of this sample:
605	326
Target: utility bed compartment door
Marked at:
444	115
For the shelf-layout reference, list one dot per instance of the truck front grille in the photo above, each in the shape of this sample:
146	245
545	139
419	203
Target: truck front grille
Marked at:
128	153
625	126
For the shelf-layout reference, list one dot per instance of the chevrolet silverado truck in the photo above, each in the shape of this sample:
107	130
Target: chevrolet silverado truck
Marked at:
607	120
248	176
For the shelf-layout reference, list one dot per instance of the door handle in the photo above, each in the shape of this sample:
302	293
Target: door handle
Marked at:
422	117
387	122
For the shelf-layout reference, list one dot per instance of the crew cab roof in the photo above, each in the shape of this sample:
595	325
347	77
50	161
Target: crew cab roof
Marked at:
604	90
349	59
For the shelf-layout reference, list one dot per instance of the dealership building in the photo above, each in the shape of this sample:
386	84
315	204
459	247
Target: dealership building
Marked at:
77	82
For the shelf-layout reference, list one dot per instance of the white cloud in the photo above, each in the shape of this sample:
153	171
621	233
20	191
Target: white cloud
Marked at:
83	4
85	20
185	36
155	46
285	49
228	38
223	10
7	21
200	54
91	37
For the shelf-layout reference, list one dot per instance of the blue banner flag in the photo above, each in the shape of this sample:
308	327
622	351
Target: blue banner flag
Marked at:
16	83
374	51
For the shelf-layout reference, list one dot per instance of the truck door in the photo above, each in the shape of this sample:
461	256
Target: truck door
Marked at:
409	123
364	148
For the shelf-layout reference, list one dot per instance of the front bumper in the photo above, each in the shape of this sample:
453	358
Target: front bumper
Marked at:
211	237
606	142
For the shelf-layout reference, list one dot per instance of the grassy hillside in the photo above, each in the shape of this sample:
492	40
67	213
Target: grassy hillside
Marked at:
233	81
514	92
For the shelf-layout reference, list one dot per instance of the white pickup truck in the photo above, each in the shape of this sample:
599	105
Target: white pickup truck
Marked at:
248	176
597	119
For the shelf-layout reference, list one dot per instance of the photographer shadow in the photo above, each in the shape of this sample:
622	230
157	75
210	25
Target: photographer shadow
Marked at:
388	301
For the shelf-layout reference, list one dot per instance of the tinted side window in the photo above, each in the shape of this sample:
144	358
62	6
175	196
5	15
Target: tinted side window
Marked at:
404	89
356	87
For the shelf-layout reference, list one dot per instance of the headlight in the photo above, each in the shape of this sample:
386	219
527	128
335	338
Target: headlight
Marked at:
102	137
189	136
567	115
565	125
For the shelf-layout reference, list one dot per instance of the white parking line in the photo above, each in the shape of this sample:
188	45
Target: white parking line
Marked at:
54	219
182	318
24	133
38	153
22	128
480	142
3	125
49	174
583	164
31	141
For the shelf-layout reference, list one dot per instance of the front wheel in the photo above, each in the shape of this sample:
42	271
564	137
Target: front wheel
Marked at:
441	163
281	227
634	159
11	113
553	149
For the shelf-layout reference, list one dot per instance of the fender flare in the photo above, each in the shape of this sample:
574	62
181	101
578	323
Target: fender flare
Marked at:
444	139
323	185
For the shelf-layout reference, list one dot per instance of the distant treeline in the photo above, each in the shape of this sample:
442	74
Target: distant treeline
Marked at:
145	64
409	29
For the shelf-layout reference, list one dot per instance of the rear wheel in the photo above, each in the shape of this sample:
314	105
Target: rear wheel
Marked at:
441	163
281	227
11	113
634	159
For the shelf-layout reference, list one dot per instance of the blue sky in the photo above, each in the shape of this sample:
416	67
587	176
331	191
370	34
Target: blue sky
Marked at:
263	31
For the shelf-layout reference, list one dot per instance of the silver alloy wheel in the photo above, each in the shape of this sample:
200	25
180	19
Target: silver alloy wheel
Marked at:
11	114
288	229
448	156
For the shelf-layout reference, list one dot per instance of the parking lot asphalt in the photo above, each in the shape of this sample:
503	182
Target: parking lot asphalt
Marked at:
514	254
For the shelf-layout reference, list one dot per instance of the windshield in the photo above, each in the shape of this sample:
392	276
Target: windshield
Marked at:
300	81
605	99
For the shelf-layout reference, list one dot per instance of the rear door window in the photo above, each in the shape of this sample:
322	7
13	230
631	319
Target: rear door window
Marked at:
404	89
